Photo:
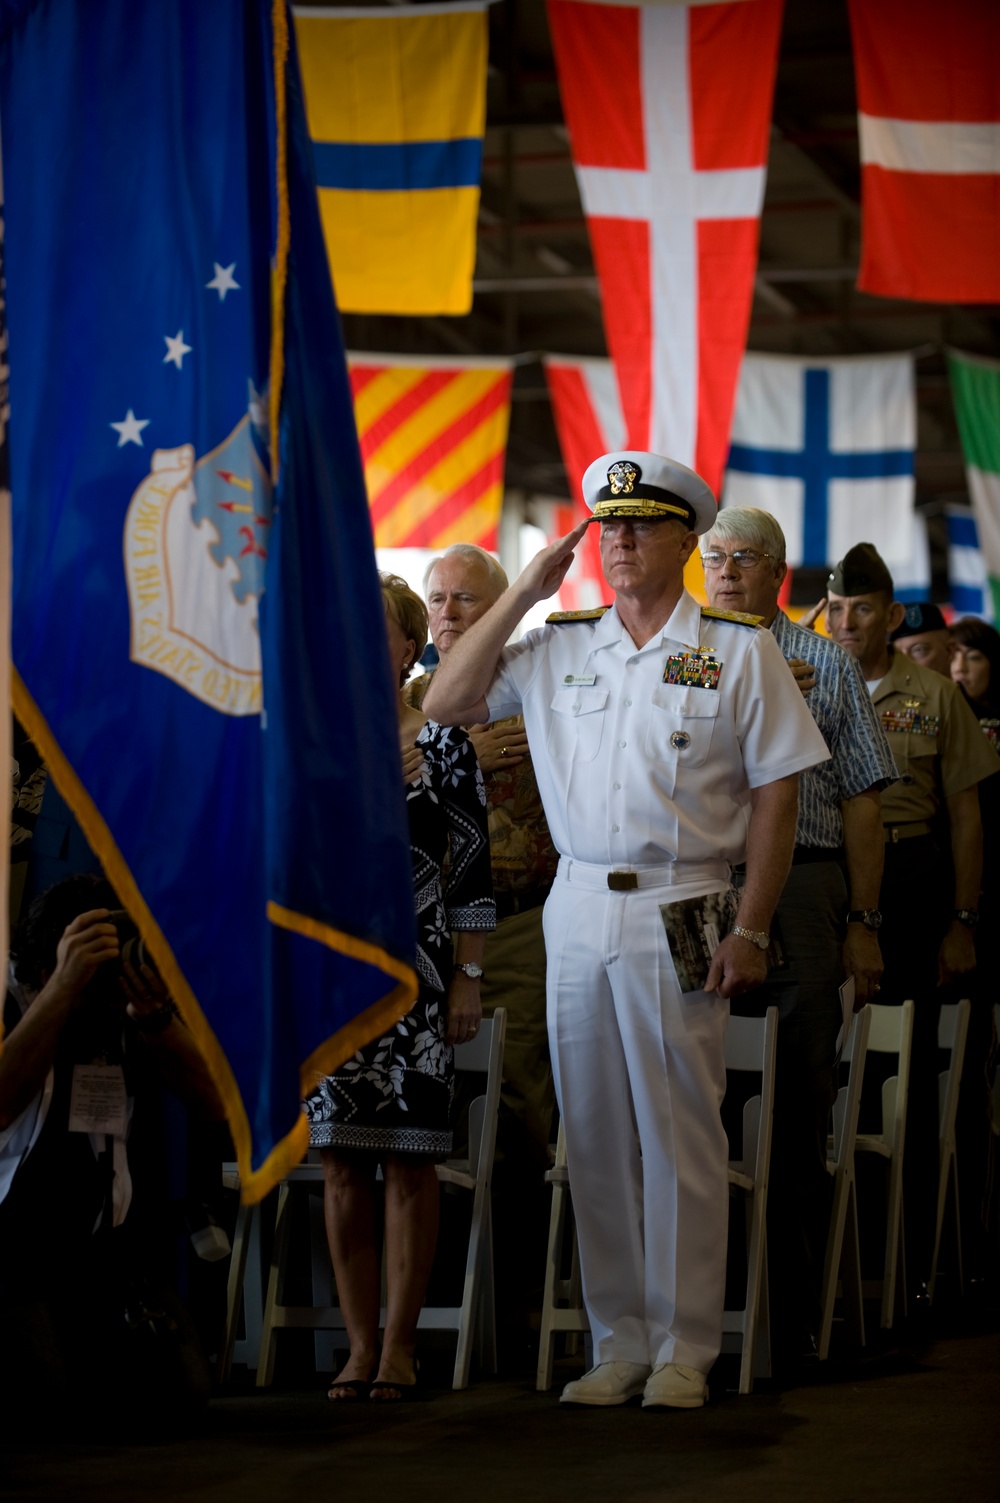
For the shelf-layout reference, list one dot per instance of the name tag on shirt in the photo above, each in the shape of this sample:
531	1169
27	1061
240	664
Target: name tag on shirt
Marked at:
98	1102
698	670
572	679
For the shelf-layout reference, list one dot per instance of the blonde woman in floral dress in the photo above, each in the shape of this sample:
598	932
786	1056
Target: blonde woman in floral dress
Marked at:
391	1103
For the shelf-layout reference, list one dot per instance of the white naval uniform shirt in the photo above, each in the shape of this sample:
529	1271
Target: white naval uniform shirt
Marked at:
637	772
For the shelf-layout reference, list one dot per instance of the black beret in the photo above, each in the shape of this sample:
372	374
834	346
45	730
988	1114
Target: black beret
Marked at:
860	572
921	616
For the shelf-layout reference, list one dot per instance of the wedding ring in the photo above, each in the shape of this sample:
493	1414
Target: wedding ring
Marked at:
503	751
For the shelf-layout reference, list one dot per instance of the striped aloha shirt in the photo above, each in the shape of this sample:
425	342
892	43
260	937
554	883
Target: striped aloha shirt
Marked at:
842	707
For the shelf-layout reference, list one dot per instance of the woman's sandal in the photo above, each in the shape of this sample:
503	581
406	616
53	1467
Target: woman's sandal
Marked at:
390	1391
406	1393
355	1390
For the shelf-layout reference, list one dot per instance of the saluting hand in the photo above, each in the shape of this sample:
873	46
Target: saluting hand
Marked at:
547	570
809	618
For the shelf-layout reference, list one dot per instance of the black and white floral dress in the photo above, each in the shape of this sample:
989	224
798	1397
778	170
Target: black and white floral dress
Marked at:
395	1094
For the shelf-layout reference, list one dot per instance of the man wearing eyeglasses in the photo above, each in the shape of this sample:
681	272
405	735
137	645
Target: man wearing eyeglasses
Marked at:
667	742
827	913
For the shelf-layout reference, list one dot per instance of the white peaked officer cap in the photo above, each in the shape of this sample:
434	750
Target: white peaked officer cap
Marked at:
633	484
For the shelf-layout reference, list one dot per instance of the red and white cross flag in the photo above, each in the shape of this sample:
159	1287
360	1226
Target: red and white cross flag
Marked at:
589	421
668	108
928	79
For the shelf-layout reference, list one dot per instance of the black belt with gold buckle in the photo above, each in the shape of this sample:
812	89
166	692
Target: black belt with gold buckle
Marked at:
623	881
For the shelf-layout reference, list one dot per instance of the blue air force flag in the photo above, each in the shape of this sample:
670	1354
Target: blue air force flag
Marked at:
826	446
199	640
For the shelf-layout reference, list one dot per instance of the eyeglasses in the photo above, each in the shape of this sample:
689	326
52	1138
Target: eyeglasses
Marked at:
743	558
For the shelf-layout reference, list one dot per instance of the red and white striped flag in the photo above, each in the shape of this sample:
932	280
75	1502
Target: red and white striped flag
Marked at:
668	108
589	422
929	122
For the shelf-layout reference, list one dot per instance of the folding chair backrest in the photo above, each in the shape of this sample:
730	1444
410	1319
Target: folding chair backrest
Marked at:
953	1029
848	1102
750	1049
892	1033
483	1055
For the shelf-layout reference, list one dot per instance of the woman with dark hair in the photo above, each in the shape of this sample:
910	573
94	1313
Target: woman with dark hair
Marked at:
975	667
390	1104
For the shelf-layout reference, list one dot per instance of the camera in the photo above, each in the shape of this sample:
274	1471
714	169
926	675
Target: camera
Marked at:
133	946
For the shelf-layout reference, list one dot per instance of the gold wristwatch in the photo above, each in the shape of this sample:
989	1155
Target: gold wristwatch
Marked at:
755	936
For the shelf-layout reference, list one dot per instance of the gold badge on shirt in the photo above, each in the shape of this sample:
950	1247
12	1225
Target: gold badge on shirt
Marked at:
697	669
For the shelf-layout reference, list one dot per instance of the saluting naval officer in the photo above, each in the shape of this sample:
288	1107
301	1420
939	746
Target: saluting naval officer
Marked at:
667	742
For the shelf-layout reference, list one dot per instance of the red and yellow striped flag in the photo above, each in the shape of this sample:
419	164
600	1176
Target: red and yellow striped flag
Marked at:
433	437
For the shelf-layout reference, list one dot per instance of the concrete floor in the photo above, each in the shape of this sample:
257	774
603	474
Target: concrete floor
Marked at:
917	1419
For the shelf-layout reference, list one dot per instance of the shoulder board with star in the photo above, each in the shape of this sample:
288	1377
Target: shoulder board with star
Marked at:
741	618
559	618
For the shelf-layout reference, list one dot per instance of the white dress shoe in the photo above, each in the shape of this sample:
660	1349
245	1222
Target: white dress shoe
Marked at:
607	1383
672	1386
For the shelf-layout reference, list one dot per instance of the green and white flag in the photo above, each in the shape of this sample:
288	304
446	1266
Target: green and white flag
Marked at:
975	386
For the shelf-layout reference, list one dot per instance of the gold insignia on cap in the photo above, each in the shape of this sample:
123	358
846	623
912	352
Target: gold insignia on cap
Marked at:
622	477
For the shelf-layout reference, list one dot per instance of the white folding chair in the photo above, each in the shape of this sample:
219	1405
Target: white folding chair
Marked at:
474	1317
892	1034
844	1214
244	1290
751	1044
562	1298
953	1031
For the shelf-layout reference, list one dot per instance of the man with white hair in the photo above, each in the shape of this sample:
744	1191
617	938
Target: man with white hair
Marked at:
673	738
459	588
827	913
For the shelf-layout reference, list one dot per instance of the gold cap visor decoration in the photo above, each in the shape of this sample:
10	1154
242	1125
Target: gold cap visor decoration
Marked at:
631	483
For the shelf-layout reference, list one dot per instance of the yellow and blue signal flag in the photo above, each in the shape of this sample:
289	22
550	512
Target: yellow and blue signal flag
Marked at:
396	104
199	641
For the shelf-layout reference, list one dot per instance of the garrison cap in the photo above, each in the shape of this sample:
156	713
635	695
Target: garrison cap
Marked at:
921	616
631	483
860	572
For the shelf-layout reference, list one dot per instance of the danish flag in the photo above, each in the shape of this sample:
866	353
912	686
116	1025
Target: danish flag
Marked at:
668	108
929	124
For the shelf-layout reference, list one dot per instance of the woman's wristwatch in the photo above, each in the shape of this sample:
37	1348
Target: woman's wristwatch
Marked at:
471	968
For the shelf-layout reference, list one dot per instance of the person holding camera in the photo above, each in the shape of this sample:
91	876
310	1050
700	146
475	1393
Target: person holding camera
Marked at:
88	1037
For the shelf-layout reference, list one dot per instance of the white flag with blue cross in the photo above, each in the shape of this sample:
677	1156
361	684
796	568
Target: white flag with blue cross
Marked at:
826	446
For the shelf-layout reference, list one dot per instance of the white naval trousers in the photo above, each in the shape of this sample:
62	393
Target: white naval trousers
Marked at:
640	1076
